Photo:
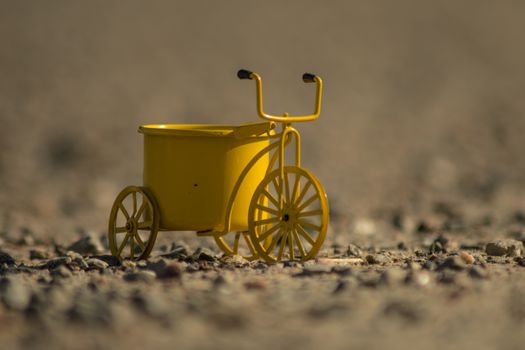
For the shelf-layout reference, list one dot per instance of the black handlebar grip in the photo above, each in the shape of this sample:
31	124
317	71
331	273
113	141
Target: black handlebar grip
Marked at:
308	77
244	74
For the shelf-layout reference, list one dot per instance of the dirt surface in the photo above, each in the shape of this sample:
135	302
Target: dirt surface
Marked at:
448	290
419	146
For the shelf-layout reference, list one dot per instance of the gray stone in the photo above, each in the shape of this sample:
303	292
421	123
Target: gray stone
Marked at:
96	263
504	247
204	254
87	245
380	259
353	250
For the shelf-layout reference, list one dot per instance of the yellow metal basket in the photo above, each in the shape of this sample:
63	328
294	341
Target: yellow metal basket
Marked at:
192	169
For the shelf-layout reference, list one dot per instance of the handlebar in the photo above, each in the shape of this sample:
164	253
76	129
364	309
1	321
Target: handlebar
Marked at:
244	74
285	118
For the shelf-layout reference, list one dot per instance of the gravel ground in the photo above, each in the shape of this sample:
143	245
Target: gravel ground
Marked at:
433	289
419	147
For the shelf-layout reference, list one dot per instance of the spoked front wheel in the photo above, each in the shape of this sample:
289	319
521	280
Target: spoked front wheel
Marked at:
295	218
133	224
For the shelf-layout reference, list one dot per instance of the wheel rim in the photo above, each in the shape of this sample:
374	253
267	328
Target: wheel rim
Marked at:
133	224
237	243
296	216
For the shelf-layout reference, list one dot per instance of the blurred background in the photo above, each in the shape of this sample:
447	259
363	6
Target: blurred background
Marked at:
423	100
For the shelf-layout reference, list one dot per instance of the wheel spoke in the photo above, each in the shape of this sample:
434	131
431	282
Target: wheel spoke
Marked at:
305	234
278	190
132	249
271	198
266	221
236	242
289	238
123	244
310	213
275	239
141	210
276	185
249	243
299	243
308	224
269	232
286	189
303	193
295	187
134	197
139	241
284	238
146	225
268	210
308	202
120	229
124	211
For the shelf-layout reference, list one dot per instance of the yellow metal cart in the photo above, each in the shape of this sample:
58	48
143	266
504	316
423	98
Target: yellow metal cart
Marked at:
228	182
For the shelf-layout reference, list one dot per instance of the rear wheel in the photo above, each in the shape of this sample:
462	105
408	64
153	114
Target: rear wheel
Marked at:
295	218
133	224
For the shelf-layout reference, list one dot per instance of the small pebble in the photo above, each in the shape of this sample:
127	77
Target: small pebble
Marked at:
380	259
467	258
96	263
353	250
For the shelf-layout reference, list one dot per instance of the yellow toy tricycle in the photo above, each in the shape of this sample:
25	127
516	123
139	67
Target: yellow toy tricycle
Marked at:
218	179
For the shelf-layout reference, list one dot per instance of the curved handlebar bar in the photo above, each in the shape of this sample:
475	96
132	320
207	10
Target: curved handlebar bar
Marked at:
285	118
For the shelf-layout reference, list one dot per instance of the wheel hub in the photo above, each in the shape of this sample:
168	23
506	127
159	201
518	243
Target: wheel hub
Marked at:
289	216
130	225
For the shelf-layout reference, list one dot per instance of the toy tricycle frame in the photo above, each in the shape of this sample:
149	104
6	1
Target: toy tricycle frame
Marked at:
280	211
